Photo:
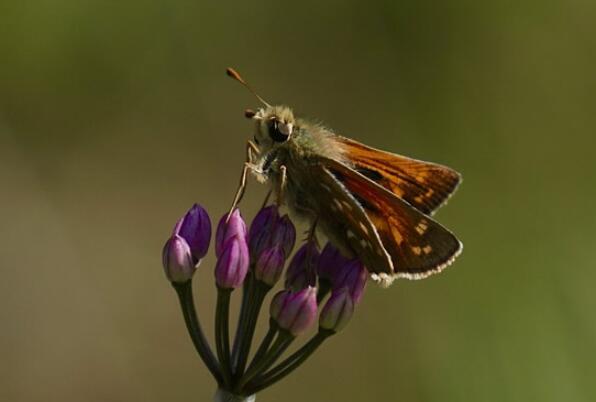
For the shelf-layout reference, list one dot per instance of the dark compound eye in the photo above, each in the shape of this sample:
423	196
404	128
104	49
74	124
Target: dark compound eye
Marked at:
276	135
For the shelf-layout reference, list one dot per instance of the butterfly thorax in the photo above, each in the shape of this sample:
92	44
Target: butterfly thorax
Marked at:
300	154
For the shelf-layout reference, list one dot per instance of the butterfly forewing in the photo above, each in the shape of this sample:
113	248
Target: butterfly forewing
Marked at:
418	246
423	185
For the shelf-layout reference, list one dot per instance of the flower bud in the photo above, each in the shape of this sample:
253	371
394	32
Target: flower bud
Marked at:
195	228
330	262
261	228
301	272
177	260
270	265
337	311
284	234
295	311
232	264
234	227
353	276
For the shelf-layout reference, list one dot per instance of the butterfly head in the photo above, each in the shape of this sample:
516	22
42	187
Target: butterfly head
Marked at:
274	125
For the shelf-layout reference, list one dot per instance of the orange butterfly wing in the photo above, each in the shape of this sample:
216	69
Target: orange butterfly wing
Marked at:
418	246
424	185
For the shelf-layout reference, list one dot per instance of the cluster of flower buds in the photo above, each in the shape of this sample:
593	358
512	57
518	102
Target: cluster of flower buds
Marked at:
231	249
271	240
188	244
255	259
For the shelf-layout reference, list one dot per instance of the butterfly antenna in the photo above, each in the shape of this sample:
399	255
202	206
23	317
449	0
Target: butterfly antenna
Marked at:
234	74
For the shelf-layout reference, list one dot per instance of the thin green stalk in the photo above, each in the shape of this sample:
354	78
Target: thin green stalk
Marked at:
266	343
256	301
281	343
288	365
185	295
247	289
222	333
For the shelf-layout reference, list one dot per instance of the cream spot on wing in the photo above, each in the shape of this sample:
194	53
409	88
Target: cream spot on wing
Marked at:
416	250
338	204
347	205
421	227
350	234
397	235
427	249
364	243
364	228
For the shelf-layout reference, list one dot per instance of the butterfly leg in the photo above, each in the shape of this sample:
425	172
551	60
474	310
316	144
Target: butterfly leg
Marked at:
282	185
248	165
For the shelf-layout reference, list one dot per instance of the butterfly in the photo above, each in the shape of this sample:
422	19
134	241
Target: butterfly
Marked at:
371	204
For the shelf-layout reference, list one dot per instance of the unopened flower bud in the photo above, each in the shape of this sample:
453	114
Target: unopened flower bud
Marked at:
301	272
228	228
261	229
337	311
195	228
330	262
353	276
295	311
284	234
269	266
232	264
177	260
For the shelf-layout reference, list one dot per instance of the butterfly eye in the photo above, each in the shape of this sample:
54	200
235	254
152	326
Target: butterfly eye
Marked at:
279	132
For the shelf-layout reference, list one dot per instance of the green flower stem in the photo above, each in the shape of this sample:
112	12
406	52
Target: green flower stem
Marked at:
266	343
222	333
257	295
185	295
241	326
290	364
281	343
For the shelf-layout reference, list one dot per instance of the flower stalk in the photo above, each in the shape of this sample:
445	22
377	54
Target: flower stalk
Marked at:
289	364
185	295
222	333
257	292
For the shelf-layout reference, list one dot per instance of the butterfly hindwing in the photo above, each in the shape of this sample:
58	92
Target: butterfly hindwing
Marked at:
424	185
346	223
418	246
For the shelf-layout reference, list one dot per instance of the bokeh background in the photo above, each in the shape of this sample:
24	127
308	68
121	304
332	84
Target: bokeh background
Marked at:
116	116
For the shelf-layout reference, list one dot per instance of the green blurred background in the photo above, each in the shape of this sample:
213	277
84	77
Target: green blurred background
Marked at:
116	116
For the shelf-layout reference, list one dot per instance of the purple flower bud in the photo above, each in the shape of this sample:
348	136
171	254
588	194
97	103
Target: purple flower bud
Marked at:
353	276
330	262
235	227
177	260
284	234
261	230
337	311
301	272
195	228
265	219
295	311
232	264
270	265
